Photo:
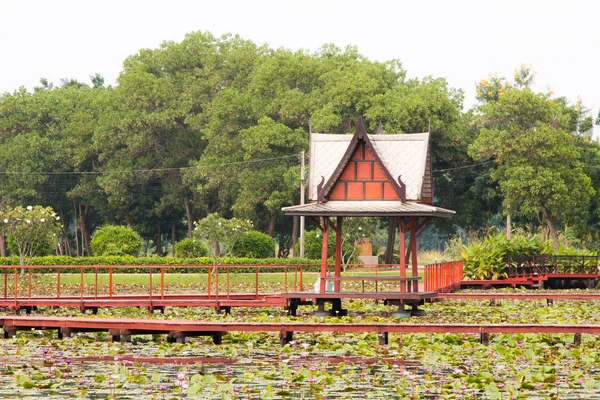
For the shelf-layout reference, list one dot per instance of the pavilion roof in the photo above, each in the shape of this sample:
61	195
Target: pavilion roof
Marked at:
403	155
368	209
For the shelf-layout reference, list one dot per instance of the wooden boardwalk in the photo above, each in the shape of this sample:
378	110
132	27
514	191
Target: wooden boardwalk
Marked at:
290	300
177	330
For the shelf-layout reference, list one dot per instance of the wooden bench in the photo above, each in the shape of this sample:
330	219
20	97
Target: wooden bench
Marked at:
374	278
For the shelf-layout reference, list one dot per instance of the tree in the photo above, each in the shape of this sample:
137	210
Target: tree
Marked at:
269	184
354	230
29	228
222	234
538	167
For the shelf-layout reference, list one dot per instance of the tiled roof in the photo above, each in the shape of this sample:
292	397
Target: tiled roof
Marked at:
403	155
368	209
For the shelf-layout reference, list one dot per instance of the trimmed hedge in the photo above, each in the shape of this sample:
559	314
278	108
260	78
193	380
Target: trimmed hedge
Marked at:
166	261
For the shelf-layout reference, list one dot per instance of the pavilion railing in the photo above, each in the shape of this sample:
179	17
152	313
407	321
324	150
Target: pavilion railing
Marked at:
443	277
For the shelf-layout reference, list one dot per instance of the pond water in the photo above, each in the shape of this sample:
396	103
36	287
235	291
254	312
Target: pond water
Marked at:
255	366
35	364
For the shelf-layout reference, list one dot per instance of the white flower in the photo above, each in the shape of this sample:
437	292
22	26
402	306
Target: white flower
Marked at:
6	220
43	212
57	218
43	220
360	228
29	208
28	221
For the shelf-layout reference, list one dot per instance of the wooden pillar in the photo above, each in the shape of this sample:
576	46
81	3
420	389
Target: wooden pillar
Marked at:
413	250
338	253
402	256
324	254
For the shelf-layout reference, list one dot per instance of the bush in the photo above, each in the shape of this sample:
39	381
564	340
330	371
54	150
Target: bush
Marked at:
112	240
190	248
254	244
487	260
312	244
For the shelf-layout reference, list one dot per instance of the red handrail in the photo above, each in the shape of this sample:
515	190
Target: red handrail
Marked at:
443	277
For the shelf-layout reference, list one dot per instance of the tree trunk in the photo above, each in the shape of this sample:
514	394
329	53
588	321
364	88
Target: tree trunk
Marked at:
271	218
408	252
189	213
2	245
158	241
85	230
216	249
173	239
551	228
76	232
295	231
66	244
389	250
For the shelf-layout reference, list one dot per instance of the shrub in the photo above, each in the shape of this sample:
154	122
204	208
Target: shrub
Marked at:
254	244
190	248
112	240
313	241
488	259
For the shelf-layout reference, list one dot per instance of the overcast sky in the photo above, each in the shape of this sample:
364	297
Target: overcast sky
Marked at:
463	41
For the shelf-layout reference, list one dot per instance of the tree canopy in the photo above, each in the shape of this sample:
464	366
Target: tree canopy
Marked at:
216	125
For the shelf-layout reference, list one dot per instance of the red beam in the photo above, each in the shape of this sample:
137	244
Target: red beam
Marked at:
132	325
521	296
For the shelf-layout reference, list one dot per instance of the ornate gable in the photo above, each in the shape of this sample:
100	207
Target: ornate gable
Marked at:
361	175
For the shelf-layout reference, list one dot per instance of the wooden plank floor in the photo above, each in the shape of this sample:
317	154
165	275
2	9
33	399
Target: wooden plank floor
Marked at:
180	329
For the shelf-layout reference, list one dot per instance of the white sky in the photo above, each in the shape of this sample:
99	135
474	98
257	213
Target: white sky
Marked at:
463	41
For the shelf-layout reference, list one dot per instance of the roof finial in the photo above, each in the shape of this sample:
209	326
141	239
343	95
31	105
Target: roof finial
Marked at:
360	128
379	129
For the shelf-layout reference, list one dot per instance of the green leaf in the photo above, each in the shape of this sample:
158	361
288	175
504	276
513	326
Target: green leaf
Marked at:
589	384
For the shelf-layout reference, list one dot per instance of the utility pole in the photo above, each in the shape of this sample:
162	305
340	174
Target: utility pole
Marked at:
302	174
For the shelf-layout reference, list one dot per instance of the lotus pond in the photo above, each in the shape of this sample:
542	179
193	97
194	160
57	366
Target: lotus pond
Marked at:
315	366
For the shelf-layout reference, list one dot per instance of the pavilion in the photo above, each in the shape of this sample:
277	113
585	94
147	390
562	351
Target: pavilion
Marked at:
363	175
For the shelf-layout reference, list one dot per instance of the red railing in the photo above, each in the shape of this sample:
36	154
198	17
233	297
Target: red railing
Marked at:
443	277
19	280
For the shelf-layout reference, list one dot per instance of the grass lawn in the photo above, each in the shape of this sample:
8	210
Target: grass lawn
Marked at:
170	278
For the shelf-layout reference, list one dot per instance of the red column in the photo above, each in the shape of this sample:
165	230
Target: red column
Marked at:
413	251
338	253
402	236
324	253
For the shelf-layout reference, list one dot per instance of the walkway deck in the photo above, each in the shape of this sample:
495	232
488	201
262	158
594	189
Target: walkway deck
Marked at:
122	329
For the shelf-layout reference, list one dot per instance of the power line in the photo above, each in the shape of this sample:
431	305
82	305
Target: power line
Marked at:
463	167
144	170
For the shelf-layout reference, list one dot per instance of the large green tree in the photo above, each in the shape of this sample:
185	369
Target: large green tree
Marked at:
530	137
